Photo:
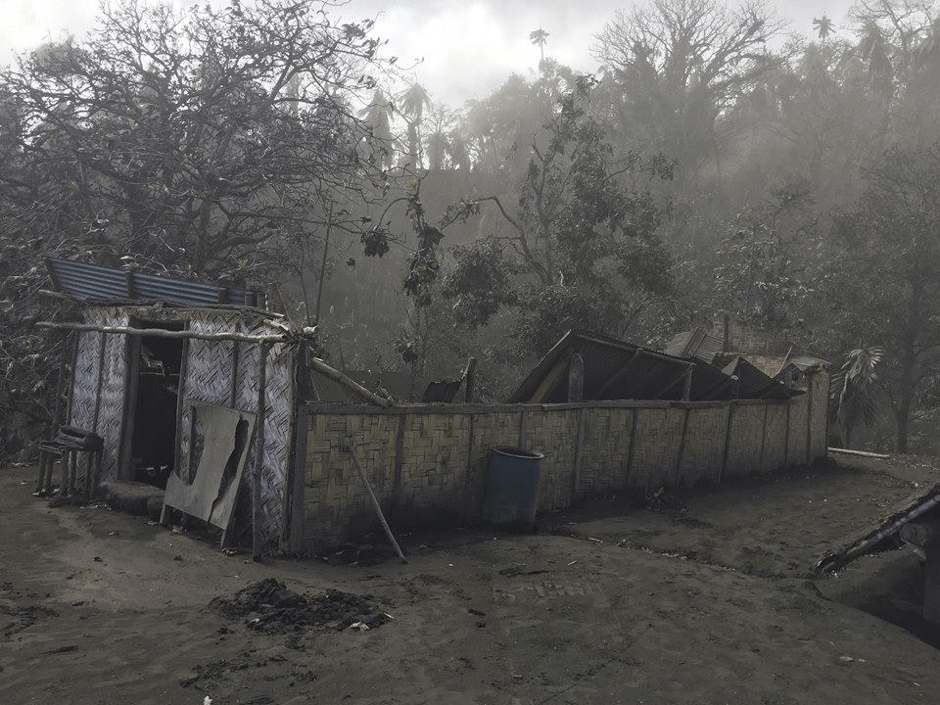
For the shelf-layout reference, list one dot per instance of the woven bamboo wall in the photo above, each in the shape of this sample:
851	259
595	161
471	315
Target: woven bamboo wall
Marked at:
99	385
429	463
608	435
85	381
217	372
228	374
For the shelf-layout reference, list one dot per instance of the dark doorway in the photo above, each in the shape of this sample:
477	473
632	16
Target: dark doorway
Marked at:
153	441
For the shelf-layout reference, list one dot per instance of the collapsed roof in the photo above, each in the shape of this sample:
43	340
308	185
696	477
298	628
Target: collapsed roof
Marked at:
615	369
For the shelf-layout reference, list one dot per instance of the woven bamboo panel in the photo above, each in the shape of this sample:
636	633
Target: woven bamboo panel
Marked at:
775	439
84	390
111	409
744	446
208	380
554	434
605	451
703	449
211	373
434	468
110	391
659	435
278	418
335	502
819	399
797	440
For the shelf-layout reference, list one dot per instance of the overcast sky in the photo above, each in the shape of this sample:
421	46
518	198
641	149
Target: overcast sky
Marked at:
468	47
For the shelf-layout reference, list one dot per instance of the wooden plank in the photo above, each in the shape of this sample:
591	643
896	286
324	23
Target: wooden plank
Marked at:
550	382
296	536
579	453
257	513
131	392
375	502
160	333
681	451
860	453
576	378
724	453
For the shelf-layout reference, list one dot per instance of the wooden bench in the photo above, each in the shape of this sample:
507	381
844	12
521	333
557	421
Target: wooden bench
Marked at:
65	447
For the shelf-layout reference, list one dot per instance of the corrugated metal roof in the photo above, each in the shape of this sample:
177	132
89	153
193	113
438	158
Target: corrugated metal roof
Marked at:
94	282
698	343
754	384
613	369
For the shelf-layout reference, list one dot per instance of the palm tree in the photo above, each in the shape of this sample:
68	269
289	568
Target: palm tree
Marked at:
379	116
852	390
824	27
539	37
412	103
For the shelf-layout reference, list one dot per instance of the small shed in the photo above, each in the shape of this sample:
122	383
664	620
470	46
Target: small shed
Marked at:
150	352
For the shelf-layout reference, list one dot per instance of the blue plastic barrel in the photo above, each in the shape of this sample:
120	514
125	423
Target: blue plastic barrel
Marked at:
512	488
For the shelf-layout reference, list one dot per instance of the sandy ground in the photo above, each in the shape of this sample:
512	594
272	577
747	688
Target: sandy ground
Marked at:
607	604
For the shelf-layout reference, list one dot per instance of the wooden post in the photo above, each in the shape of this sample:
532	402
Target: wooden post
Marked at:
576	379
685	428
101	349
687	387
469	378
522	423
257	515
809	422
297	512
724	453
579	452
180	396
233	392
631	454
786	438
932	582
375	502
763	440
399	461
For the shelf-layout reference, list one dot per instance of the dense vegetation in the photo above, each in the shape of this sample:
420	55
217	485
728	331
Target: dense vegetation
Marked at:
711	164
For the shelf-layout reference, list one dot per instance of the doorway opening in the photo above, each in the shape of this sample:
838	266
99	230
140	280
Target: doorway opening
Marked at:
153	441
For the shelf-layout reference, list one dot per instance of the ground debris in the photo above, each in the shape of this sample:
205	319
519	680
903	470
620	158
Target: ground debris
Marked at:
268	606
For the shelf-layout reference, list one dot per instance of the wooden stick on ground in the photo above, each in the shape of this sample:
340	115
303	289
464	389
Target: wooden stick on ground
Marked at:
862	453
375	502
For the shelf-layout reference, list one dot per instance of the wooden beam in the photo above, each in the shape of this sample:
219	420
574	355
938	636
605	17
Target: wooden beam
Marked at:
576	378
549	382
160	333
338	376
861	453
375	502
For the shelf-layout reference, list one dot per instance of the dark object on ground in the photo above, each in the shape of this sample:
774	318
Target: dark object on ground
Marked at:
130	497
662	501
270	607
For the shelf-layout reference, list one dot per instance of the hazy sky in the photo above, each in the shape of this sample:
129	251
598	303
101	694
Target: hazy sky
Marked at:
468	47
